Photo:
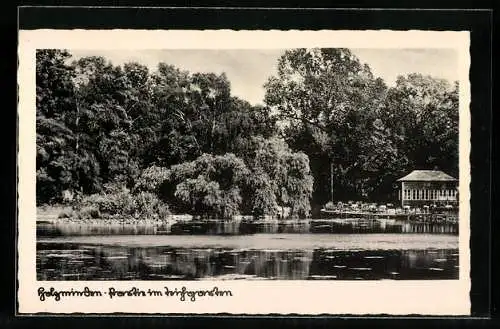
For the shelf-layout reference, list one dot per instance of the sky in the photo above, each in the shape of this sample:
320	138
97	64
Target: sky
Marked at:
248	70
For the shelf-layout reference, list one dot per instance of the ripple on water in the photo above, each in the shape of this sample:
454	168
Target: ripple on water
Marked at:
142	262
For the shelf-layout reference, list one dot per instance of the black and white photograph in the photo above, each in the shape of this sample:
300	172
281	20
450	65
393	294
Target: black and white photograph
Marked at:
286	164
247	164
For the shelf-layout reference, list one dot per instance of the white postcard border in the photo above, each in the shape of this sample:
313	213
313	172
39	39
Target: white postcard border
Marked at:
428	297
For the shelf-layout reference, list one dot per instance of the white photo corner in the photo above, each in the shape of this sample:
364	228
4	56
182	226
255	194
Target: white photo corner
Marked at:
244	172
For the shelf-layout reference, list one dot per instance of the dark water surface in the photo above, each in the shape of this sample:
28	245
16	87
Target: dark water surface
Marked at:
260	256
220	227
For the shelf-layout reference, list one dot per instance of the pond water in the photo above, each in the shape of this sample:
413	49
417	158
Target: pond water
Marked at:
250	257
217	227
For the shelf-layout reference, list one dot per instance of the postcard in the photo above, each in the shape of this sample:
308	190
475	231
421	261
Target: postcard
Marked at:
243	172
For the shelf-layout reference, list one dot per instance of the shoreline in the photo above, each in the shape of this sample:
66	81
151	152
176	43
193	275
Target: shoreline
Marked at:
344	217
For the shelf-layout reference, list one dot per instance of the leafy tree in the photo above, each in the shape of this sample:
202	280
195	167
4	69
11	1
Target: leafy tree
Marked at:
280	178
421	114
55	106
209	185
151	179
108	98
196	114
327	102
181	136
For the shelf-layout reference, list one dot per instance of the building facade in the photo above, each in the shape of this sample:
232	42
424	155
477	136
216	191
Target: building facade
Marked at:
428	187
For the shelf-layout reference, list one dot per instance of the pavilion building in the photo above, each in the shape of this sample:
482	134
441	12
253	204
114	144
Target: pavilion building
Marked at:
428	187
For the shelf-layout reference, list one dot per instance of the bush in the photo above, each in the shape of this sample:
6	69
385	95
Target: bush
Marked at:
119	202
151	179
111	204
89	212
147	205
66	213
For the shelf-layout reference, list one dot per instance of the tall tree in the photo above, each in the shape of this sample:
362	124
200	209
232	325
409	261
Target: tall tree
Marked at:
279	178
327	101
105	97
421	114
55	108
196	114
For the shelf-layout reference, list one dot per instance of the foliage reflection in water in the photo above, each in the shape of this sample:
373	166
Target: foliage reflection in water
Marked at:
73	261
235	228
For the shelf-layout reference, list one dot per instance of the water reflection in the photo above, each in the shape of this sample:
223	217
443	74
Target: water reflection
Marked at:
73	261
236	227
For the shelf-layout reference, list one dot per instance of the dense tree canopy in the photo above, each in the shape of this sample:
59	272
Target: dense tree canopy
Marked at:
280	178
421	115
334	110
328	102
182	137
